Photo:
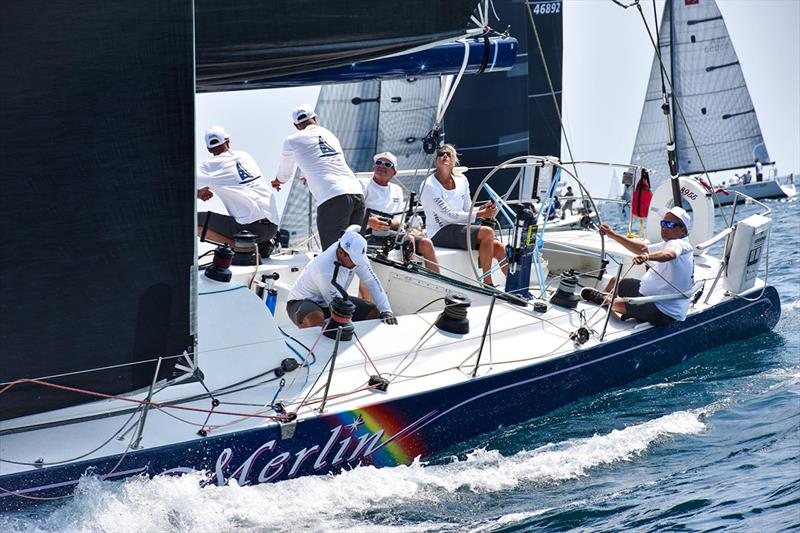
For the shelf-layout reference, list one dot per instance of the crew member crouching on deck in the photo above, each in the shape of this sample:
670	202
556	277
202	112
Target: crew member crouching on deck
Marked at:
671	272
309	300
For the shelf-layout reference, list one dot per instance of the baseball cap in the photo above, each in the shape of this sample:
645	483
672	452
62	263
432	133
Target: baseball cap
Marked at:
356	247
302	113
216	135
681	214
388	156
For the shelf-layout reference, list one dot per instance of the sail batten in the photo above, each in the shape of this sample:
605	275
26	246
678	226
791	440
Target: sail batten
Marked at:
708	89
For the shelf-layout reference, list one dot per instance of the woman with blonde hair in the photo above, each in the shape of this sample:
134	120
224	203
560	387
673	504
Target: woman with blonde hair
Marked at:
446	200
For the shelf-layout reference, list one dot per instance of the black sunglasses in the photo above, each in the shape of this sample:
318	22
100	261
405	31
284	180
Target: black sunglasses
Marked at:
443	154
386	164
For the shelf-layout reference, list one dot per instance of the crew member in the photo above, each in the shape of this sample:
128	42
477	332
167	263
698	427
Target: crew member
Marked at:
310	298
446	201
671	272
318	153
759	171
384	203
235	177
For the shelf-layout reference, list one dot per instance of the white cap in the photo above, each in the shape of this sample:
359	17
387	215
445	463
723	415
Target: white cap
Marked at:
216	135
681	214
389	156
356	247
302	113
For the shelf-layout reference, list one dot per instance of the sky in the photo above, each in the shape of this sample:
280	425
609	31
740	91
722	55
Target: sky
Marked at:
607	58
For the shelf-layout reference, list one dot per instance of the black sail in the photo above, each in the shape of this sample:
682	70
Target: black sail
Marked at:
243	42
496	116
97	114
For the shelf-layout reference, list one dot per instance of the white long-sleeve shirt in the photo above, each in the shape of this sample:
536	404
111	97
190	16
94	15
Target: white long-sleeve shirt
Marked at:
319	155
442	206
315	284
235	177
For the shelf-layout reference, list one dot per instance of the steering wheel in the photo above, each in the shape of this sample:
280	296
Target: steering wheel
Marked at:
521	162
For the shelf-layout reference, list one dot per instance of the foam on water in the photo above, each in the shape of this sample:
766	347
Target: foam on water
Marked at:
335	502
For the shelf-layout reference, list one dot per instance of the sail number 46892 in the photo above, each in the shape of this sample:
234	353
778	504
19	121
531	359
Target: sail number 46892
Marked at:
546	8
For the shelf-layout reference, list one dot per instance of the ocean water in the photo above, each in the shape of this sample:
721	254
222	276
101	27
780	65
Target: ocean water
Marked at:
712	444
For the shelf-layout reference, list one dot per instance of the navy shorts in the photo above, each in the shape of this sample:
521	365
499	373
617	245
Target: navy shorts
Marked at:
643	312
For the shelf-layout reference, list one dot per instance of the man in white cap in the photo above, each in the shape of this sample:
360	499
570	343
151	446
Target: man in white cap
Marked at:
318	153
310	298
235	177
671	272
384	203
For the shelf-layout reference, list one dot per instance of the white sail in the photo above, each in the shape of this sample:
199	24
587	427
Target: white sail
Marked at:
710	88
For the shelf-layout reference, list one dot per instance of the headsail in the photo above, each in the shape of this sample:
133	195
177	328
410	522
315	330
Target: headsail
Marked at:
710	88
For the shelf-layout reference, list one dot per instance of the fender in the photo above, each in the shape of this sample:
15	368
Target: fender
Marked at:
702	210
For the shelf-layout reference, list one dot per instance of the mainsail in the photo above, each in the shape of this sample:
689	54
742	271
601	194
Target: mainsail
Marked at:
709	87
240	44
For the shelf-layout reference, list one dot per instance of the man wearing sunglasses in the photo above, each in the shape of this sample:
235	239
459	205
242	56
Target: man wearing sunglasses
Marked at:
671	271
384	202
318	153
311	295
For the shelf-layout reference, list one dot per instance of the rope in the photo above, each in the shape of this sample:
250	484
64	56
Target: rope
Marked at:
131	400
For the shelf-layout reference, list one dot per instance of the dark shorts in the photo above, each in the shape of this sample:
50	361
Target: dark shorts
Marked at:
299	309
334	215
226	225
455	236
643	312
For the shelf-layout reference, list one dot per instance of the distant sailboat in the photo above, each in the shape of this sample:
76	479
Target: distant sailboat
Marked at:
716	126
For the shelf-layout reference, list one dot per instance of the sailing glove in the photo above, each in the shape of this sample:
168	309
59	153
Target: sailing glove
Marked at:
388	318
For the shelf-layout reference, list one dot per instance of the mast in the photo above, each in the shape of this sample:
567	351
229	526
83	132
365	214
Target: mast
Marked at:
669	113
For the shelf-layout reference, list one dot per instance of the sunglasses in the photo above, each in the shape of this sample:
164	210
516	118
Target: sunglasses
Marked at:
444	154
670	224
386	164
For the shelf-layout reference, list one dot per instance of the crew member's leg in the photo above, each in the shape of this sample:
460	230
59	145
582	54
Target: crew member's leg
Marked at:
489	248
333	217
424	247
305	313
221	228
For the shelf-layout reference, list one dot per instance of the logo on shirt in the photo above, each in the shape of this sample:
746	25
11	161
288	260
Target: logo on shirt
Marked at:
326	150
244	175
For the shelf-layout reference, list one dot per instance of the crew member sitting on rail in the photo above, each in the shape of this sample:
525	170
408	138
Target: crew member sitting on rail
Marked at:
309	300
384	202
671	272
236	178
446	200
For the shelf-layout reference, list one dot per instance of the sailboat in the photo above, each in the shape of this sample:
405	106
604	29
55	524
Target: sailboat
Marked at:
123	356
716	127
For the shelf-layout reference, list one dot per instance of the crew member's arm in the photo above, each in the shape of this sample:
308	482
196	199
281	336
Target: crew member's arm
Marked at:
661	253
203	183
286	167
379	298
632	245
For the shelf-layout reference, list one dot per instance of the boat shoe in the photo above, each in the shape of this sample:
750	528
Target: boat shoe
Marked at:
593	295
